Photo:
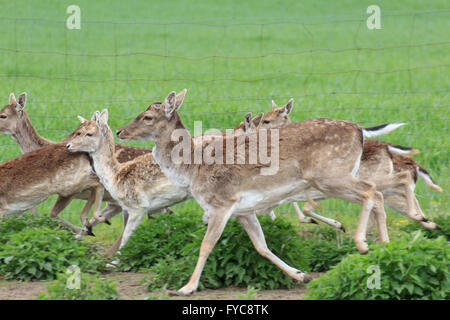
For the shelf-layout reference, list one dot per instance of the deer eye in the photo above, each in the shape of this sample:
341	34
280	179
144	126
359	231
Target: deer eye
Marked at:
78	133
89	134
266	121
147	118
3	116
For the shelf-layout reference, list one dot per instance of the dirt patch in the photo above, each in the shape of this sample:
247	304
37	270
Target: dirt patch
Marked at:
19	290
130	287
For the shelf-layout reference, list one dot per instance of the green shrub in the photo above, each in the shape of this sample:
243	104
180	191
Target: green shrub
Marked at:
234	260
411	267
91	288
442	220
322	254
15	223
155	239
42	253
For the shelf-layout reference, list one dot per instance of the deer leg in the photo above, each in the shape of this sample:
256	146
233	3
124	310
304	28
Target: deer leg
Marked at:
60	204
115	247
87	207
217	220
358	191
403	184
251	225
133	220
130	223
380	216
399	204
301	217
307	208
106	214
34	211
99	191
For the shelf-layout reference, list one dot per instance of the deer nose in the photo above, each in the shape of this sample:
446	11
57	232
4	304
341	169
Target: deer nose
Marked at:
118	132
68	146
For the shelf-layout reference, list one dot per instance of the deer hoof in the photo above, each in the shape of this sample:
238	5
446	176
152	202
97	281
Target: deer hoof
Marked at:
342	228
107	222
306	278
185	291
89	231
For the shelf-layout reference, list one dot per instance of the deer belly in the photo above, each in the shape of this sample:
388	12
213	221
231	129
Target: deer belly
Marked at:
264	200
18	207
165	197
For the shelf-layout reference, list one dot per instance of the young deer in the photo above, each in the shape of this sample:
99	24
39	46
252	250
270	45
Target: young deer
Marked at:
139	186
320	153
381	162
15	122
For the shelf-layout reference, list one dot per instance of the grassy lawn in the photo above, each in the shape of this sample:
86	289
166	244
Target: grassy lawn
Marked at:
236	57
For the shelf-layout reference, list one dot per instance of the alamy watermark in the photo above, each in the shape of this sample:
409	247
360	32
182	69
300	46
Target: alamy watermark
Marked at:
215	147
74	279
374	281
374	20
74	20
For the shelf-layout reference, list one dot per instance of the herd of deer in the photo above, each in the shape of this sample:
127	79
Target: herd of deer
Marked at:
317	159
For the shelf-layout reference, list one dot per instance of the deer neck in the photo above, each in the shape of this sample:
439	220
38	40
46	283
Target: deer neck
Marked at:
27	137
106	165
177	173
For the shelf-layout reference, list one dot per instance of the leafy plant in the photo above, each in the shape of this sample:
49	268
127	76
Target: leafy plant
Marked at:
322	254
234	260
156	239
15	223
411	267
42	253
91	288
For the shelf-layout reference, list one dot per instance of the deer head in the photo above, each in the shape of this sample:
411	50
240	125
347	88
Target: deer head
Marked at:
91	134
12	114
277	117
157	119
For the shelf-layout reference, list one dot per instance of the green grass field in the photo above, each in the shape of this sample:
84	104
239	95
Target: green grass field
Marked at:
236	57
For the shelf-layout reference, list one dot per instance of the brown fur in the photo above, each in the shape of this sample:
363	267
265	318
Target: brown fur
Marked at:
17	173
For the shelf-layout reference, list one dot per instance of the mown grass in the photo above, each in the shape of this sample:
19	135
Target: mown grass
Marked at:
235	57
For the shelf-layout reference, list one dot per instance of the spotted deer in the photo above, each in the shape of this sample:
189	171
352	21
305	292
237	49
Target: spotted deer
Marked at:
14	121
320	153
138	186
381	162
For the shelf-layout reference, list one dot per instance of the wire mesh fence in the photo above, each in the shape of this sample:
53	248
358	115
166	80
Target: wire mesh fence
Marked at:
333	66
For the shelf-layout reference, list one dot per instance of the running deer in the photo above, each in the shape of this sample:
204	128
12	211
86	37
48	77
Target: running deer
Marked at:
139	186
15	121
320	153
381	162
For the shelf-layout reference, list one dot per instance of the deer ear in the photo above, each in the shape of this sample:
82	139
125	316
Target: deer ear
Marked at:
180	98
170	104
103	117
288	106
256	120
21	104
12	99
95	116
82	120
274	105
22	99
247	121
